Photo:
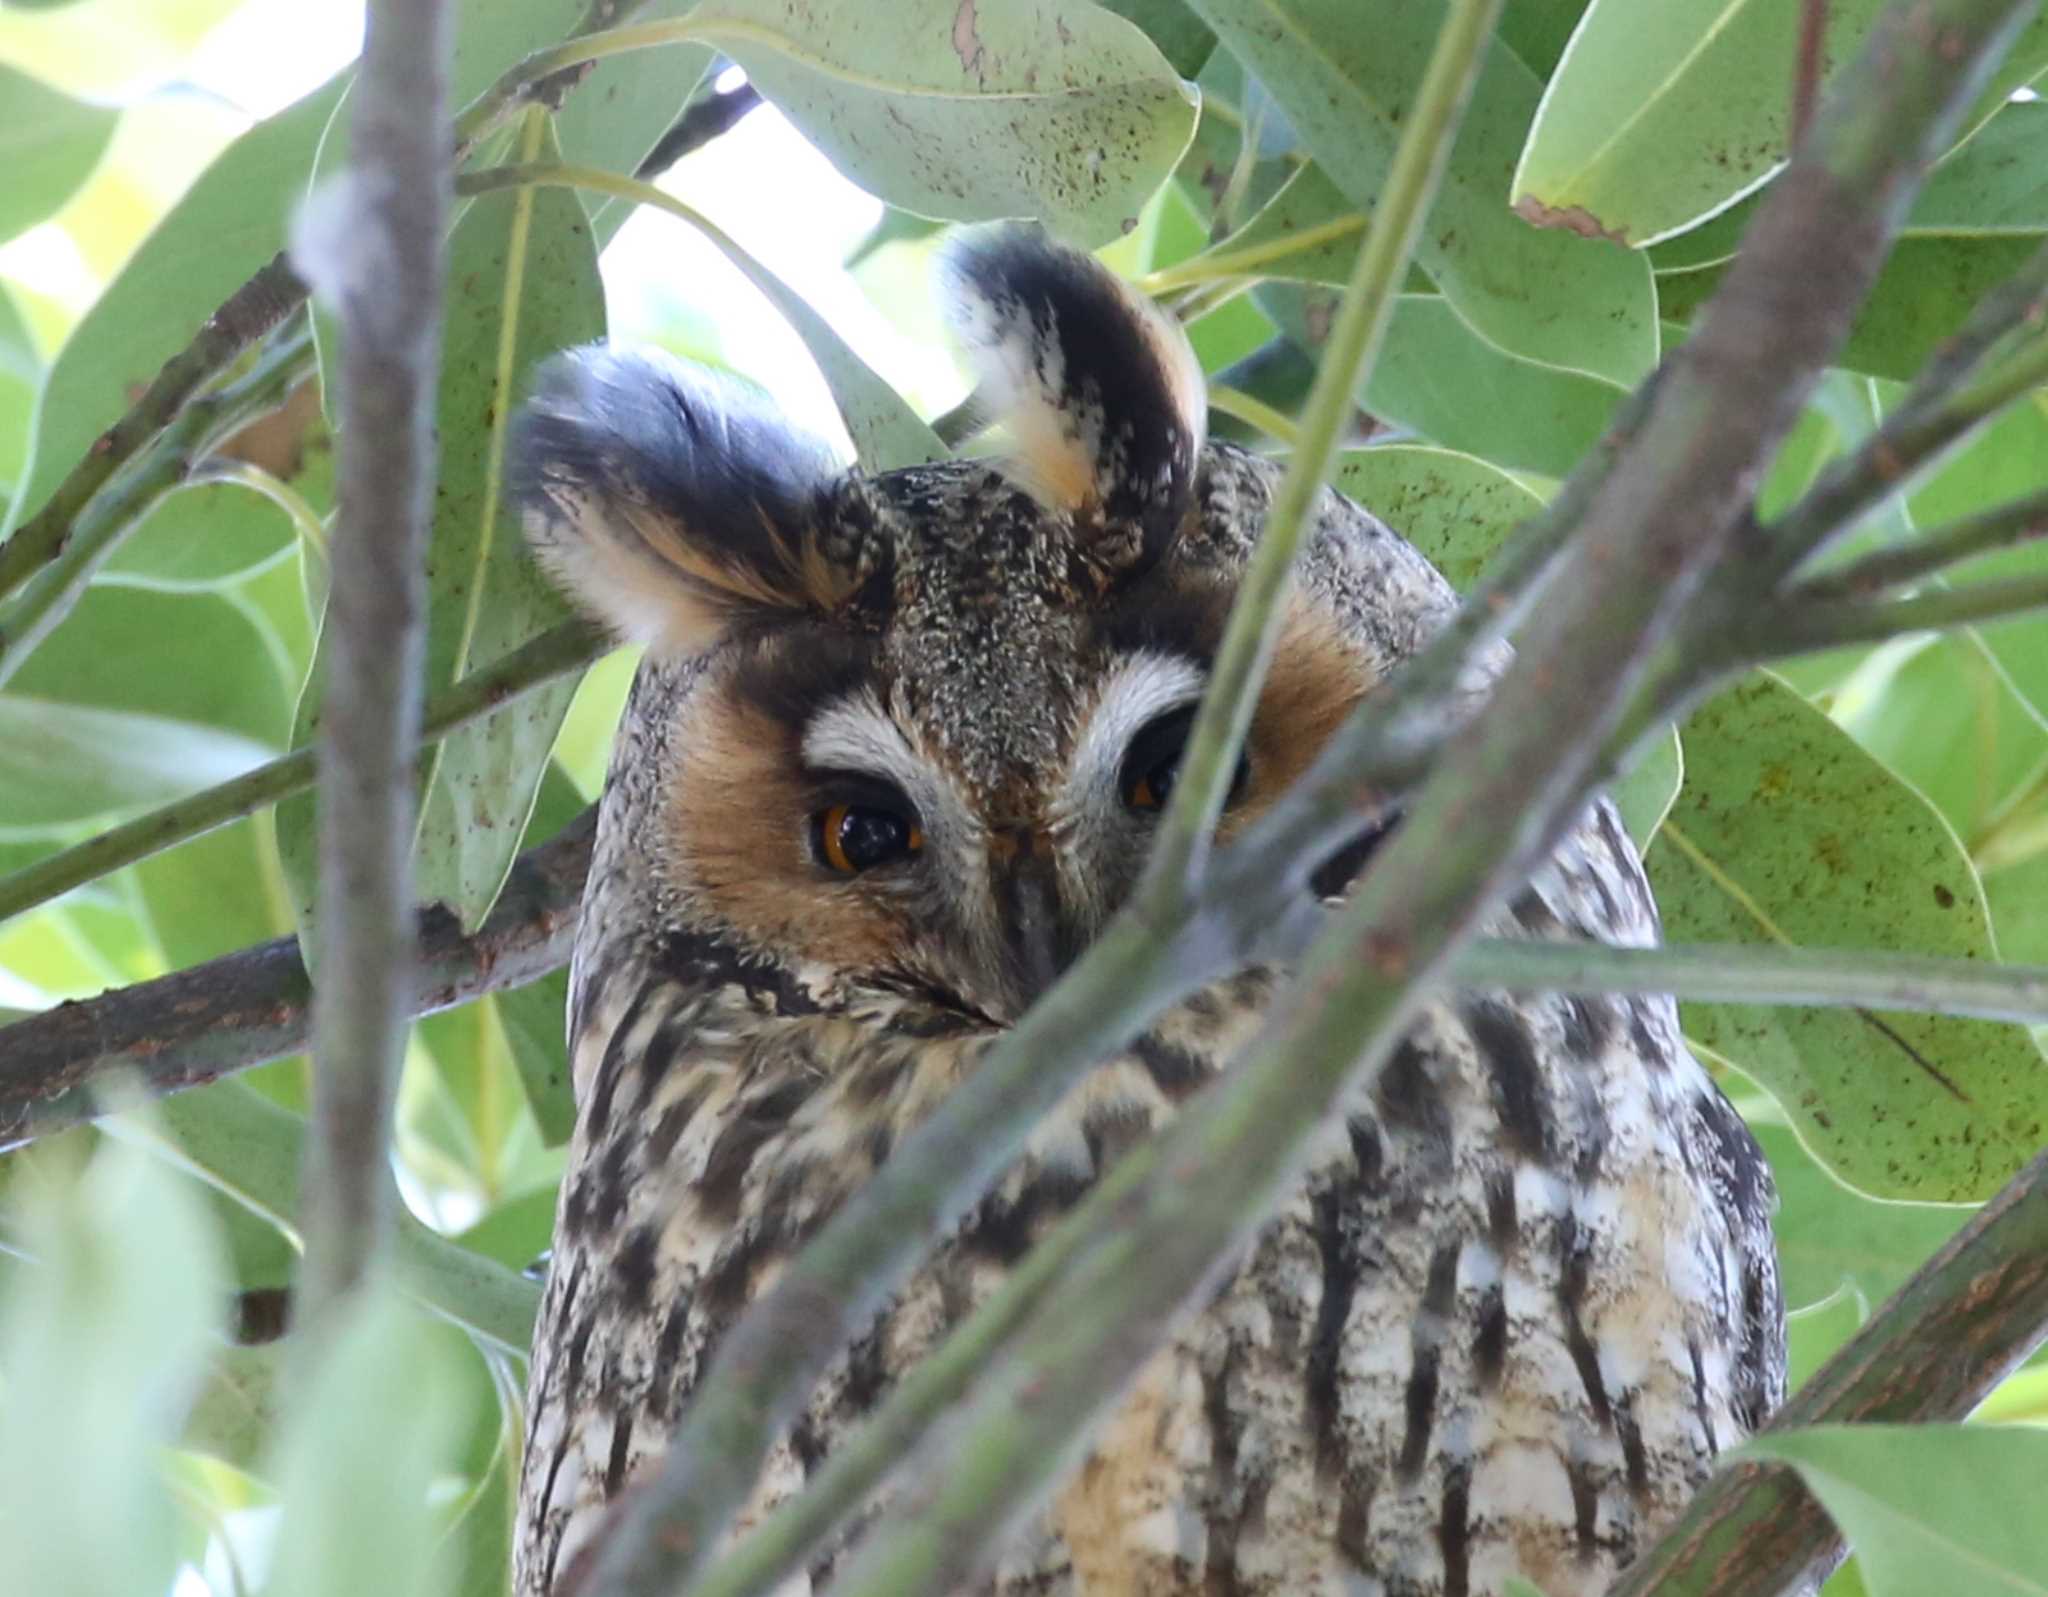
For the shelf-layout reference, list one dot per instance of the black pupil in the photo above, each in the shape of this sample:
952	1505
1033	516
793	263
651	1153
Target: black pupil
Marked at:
1152	766
1160	778
869	837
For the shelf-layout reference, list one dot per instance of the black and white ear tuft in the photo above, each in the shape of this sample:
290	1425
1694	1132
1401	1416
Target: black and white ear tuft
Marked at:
672	501
1097	385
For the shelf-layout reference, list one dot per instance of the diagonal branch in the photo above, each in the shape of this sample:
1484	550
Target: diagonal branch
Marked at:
248	1008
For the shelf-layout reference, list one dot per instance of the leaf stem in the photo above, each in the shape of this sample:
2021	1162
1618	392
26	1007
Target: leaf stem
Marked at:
553	654
517	84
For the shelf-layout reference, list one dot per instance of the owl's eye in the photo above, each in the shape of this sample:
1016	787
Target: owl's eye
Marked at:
1153	761
851	838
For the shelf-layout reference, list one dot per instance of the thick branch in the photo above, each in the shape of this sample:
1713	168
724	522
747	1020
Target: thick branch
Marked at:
248	1008
374	250
1967	1319
555	653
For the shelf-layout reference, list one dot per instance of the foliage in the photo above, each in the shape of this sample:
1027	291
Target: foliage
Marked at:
1882	797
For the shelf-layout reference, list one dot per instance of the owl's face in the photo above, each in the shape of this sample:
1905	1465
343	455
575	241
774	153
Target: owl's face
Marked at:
914	733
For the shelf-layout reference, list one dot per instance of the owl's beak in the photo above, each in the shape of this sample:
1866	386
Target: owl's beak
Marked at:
1040	939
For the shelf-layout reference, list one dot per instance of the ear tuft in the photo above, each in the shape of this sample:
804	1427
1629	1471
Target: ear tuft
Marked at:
1097	385
671	500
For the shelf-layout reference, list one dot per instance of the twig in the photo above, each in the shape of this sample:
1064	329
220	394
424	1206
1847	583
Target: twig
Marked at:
1669	510
1937	412
712	117
1803	629
518	84
1806	70
1965	1320
248	1008
374	250
1208	763
46	596
553	654
2002	527
250	312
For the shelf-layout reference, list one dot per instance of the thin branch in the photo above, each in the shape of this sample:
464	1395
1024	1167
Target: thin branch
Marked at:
555	653
249	313
46	597
1938	411
518	83
1670	509
248	1008
1208	764
711	117
1804	629
2002	527
1965	1321
375	250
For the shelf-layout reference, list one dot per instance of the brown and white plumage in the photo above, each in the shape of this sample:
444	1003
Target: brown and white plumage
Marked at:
1527	1291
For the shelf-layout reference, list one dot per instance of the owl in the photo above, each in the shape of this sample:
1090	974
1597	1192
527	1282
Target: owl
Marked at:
894	756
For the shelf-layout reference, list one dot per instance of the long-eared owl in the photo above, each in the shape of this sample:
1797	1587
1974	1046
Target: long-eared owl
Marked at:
893	758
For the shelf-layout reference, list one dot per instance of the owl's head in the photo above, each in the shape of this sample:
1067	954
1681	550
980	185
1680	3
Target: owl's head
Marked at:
912	733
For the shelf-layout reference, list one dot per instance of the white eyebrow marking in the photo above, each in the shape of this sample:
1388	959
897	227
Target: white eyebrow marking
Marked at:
1141	688
857	734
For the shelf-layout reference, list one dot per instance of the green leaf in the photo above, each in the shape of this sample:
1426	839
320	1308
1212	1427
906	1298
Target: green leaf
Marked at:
49	144
228	224
1539	30
1546	296
67	762
1169	24
1788	833
1831	1237
522	283
101	1349
1994	183
1953	1509
535	1017
1649	786
358	1461
1066	113
1926	290
1453	507
249	1149
1664	111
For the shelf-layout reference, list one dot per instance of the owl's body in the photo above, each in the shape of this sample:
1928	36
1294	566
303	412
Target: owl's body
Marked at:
890	765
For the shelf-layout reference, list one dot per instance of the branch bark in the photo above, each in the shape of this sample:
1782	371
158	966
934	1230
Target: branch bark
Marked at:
374	250
248	1008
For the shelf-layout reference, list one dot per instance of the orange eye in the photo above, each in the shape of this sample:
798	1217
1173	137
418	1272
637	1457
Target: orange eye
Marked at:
851	838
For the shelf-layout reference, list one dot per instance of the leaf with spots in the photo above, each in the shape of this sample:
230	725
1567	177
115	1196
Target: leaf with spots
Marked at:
1787	832
1664	111
522	283
1554	298
1457	510
967	111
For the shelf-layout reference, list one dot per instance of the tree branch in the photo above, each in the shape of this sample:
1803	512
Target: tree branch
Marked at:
703	120
27	616
375	250
2002	527
555	653
248	1008
1967	1319
248	314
